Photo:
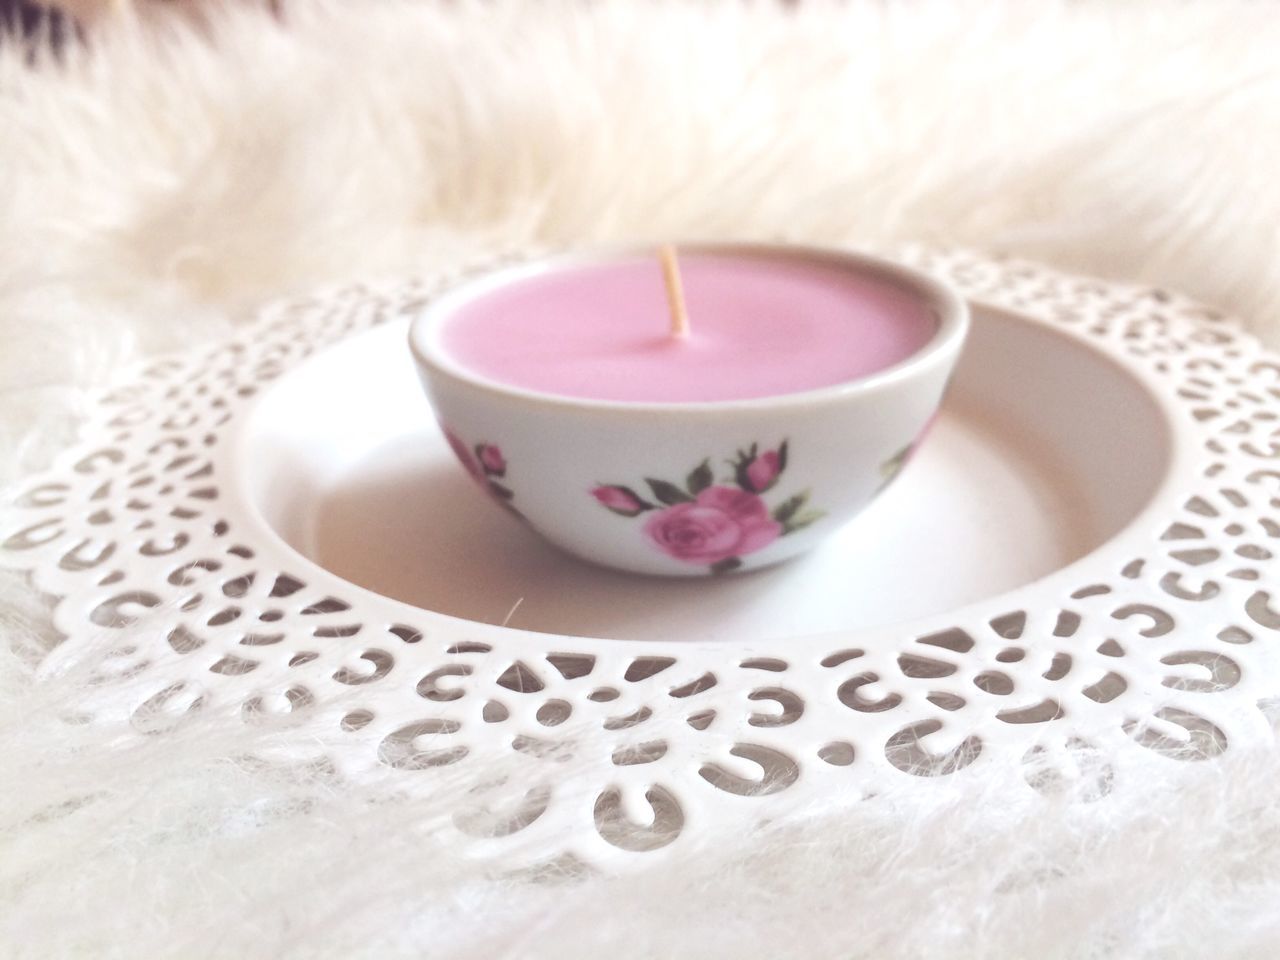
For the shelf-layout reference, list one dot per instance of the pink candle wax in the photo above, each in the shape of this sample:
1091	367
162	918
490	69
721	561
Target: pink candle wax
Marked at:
760	327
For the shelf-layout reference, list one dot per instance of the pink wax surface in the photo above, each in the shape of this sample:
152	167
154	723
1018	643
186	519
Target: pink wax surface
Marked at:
760	327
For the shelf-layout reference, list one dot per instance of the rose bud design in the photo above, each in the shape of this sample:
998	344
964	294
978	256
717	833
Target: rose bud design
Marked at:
462	453
762	472
757	473
491	459
720	524
621	500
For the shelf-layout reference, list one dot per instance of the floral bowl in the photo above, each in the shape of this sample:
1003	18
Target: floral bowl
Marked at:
690	489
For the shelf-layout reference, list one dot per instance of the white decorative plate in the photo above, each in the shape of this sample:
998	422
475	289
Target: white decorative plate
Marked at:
1078	568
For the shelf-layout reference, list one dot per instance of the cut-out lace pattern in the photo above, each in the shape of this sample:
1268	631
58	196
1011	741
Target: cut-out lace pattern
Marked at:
1161	642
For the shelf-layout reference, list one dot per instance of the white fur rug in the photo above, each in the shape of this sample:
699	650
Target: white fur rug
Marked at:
164	178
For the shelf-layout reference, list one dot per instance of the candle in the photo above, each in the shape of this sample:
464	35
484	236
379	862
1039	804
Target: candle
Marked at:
722	427
758	328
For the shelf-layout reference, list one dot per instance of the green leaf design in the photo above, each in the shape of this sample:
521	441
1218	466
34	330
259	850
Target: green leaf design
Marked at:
890	467
782	456
699	478
725	566
790	507
667	493
498	490
800	521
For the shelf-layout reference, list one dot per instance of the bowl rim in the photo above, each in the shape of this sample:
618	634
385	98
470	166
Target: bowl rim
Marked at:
948	307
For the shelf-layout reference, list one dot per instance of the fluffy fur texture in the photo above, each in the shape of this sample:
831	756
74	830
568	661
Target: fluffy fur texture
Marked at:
165	177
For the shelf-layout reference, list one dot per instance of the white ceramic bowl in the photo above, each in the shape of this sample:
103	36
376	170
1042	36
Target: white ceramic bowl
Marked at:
805	462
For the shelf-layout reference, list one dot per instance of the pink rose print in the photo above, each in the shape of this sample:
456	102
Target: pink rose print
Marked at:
485	466
720	524
621	500
758	472
714	524
762	472
462	453
490	457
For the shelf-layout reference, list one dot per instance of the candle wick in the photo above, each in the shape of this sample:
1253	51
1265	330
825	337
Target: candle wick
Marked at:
675	292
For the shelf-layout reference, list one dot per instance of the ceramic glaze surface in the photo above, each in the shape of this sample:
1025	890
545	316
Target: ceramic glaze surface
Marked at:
759	327
723	486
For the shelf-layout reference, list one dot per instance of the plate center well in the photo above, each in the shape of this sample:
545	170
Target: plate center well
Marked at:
1045	449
